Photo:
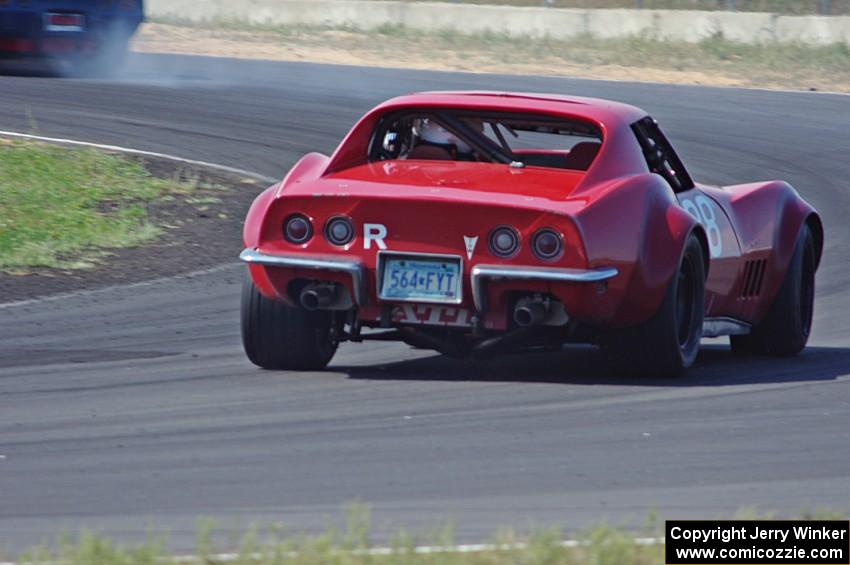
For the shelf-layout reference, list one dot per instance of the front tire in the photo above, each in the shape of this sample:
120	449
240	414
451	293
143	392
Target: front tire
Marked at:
278	336
785	329
668	343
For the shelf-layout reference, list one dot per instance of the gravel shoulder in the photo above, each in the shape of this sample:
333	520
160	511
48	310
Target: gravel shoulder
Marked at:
713	62
199	230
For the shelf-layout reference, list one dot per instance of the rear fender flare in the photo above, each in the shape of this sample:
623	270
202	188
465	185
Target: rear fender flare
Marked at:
792	214
309	166
776	203
637	226
253	226
251	231
662	244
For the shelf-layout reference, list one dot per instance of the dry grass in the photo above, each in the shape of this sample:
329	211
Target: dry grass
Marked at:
800	7
714	61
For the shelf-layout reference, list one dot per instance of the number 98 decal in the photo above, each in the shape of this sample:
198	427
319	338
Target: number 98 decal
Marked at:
707	213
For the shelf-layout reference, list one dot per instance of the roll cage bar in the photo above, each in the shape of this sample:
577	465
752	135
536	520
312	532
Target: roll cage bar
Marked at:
453	121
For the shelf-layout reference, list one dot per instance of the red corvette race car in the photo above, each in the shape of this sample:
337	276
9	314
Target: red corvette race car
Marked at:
476	222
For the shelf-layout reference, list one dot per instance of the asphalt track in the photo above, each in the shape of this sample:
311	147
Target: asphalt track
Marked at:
132	409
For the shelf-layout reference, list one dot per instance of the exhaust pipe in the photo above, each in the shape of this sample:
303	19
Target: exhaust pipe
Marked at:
530	312
318	296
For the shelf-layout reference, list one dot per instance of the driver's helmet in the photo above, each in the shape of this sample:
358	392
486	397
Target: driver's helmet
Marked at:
433	133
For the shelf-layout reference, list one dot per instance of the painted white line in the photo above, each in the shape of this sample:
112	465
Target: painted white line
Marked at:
130	151
385	551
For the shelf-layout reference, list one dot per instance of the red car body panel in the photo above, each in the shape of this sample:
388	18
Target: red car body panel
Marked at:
765	219
617	214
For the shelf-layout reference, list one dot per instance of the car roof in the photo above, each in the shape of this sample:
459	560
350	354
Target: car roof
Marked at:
605	112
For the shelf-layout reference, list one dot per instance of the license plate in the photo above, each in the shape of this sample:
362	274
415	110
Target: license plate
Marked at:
421	279
64	22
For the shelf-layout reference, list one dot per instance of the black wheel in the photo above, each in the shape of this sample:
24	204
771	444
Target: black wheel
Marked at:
277	336
668	343
785	329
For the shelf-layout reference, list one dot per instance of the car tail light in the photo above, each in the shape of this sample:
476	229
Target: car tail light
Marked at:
547	244
504	241
297	229
65	20
339	231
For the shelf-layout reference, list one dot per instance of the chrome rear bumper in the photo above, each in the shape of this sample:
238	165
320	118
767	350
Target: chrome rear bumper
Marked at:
478	276
353	268
481	273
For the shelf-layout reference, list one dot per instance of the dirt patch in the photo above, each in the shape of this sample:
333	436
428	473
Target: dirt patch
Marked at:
201	230
713	62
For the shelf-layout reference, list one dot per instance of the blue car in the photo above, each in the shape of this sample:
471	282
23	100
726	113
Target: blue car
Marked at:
88	37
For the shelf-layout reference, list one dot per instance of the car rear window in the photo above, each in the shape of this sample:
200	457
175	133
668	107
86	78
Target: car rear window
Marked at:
518	139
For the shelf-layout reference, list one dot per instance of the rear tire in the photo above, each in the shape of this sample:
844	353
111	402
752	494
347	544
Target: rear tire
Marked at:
785	329
668	343
277	336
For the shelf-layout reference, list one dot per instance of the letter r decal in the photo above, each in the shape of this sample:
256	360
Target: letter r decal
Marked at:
376	233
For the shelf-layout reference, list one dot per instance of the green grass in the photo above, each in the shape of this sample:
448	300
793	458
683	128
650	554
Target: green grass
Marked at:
61	208
601	545
598	545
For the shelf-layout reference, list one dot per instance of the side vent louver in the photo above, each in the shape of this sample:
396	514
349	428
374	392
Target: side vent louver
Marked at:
753	278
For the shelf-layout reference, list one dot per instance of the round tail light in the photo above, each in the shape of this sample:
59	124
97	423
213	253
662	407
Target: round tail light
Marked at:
504	241
297	229
547	244
339	231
